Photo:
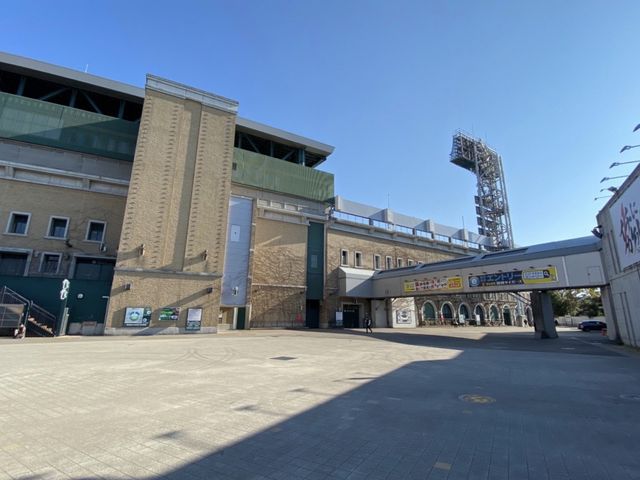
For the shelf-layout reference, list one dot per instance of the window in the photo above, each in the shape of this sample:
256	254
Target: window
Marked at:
389	263
400	263
50	263
94	269
13	263
344	257
18	223
358	259
376	262
95	231
409	262
58	227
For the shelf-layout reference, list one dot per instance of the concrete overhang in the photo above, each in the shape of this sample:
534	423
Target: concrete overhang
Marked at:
355	282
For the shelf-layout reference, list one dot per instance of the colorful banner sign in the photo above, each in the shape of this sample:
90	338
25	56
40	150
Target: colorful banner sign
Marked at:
137	316
531	276
444	283
170	313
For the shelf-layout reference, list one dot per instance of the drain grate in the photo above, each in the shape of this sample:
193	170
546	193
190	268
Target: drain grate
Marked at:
476	399
283	358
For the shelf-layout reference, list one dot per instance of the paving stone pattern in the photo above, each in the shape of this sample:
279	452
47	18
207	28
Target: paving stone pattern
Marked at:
344	405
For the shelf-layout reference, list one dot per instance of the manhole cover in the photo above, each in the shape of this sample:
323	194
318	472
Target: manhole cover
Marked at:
630	396
476	399
283	358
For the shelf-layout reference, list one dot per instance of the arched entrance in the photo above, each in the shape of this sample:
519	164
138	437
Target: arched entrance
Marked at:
447	312
429	313
479	311
506	314
494	315
463	311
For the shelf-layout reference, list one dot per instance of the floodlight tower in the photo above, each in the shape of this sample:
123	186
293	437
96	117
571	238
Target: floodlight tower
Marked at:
492	207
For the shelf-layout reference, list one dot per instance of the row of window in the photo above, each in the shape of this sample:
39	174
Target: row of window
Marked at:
377	261
57	229
87	268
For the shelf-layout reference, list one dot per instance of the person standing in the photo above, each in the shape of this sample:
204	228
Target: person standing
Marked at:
367	322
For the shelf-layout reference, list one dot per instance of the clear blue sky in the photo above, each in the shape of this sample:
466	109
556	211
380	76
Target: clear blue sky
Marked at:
551	85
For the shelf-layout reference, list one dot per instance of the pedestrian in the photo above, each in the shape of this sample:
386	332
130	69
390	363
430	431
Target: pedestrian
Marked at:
367	323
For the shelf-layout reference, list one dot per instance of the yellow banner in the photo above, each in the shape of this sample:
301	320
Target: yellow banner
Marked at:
539	275
446	283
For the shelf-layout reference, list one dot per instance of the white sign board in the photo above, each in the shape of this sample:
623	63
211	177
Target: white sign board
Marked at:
625	217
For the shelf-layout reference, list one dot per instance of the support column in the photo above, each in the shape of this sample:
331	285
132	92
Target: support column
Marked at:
613	331
543	315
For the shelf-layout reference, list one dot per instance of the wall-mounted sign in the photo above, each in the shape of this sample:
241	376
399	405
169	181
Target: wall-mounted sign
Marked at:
194	319
137	316
531	276
404	316
625	218
339	319
170	313
427	284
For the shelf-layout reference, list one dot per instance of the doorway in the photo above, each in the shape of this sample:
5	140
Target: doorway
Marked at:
351	315
313	314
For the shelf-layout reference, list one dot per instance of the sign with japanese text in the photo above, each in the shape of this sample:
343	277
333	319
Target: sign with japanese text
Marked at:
428	284
531	276
625	218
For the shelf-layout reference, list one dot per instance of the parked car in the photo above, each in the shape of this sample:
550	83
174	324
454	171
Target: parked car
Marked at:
588	325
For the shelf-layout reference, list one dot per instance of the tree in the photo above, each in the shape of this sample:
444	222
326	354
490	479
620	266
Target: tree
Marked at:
584	301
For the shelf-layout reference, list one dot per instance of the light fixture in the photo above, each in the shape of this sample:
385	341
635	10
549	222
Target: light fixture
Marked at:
615	164
628	147
141	249
209	290
103	247
597	231
604	196
610	189
612	178
205	254
127	286
637	127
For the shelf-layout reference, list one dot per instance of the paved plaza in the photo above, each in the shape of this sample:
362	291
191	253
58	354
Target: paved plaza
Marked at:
434	403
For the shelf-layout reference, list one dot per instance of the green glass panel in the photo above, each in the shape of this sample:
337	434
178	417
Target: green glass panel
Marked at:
261	171
34	121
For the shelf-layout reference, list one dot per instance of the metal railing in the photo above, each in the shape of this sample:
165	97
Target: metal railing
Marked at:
43	318
392	227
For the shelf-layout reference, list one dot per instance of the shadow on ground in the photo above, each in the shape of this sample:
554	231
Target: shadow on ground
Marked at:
511	414
583	343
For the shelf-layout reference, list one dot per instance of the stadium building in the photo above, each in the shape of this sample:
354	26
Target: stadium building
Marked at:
169	213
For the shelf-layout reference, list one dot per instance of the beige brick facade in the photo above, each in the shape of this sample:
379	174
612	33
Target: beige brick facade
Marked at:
174	231
42	202
279	273
367	246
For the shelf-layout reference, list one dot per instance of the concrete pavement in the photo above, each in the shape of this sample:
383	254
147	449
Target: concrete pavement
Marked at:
433	403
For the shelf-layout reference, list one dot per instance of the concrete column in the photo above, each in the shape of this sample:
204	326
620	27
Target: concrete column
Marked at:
613	332
545	326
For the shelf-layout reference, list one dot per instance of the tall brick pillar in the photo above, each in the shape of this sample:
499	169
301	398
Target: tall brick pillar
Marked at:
172	246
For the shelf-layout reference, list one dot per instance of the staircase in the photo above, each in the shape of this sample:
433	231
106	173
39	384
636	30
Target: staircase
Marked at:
39	322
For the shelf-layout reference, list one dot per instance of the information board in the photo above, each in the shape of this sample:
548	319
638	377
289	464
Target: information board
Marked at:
194	319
